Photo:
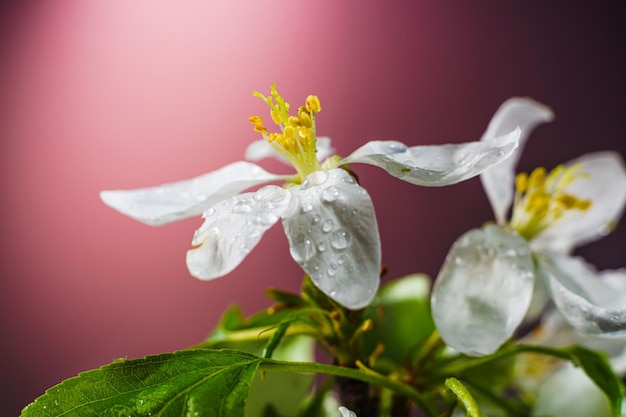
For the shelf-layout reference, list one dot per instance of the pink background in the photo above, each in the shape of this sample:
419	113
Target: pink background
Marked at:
119	94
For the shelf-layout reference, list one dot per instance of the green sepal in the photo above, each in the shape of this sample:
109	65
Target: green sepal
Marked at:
189	382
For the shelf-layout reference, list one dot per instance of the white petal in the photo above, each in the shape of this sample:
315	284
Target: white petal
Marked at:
178	200
334	237
435	165
483	290
589	304
346	412
570	393
232	228
499	180
260	149
605	187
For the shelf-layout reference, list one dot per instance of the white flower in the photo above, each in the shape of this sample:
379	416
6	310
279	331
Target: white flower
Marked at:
327	217
562	389
485	288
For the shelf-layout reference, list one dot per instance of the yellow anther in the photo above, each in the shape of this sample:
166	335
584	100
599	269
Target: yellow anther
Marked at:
542	197
293	121
297	140
313	104
521	182
537	177
305	118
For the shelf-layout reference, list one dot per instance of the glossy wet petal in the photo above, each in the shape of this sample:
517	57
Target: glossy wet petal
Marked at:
260	149
605	187
436	165
178	200
483	290
334	237
499	180
589	304
232	228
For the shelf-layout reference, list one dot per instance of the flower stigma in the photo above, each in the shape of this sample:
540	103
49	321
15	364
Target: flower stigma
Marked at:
296	140
541	198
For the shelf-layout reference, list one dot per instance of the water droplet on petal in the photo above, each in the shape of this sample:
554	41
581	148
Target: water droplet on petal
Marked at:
396	147
316	219
241	207
307	207
321	247
270	193
317	178
342	259
302	248
330	194
327	226
340	239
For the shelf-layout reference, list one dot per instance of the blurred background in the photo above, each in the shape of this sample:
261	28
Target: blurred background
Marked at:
110	94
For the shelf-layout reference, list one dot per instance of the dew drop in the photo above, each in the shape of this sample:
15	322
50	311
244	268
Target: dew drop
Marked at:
321	247
342	259
396	147
270	193
302	248
317	178
331	272
340	239
307	207
241	207
316	219
330	194
327	226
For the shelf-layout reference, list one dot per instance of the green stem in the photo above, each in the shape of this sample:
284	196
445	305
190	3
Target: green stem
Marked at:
259	333
368	376
456	367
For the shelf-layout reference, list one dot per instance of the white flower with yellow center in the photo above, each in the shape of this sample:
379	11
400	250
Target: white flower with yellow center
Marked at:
327	217
485	287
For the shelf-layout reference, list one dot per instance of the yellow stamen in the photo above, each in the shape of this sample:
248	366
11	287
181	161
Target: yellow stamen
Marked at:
297	140
541	198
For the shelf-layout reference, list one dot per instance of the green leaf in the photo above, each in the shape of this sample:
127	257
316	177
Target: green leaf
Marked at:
196	382
405	319
600	372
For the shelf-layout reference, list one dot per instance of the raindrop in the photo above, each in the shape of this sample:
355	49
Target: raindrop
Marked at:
327	226
241	207
270	193
321	247
316	219
330	194
302	248
342	259
307	207
266	218
340	239
317	178
209	212
331	272
396	147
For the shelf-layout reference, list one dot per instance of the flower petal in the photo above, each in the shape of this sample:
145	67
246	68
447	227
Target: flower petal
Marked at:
605	187
499	180
334	237
178	200
589	304
570	393
345	412
260	149
435	165
232	228
483	290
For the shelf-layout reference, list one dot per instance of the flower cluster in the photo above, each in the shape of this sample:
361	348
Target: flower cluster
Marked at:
464	345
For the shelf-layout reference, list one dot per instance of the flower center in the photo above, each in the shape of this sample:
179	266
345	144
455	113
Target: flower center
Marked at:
542	198
296	140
